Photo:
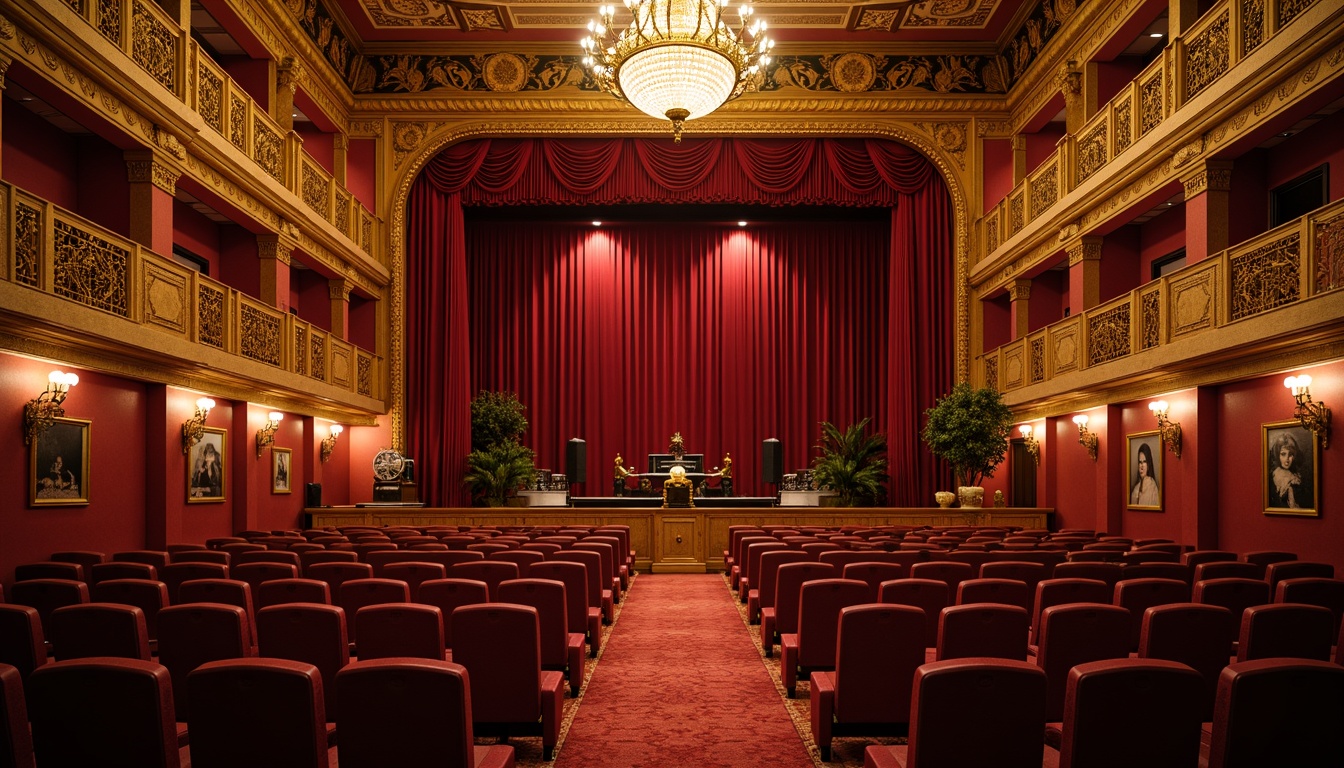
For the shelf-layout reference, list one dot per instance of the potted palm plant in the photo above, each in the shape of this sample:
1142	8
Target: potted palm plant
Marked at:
969	428
852	463
498	465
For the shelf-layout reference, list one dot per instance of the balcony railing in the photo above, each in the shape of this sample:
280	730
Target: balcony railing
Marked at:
1289	264
1223	36
56	252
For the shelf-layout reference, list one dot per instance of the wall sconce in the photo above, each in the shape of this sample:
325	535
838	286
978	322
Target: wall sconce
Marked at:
266	435
1170	430
41	411
1086	439
1314	416
1029	437
329	442
193	428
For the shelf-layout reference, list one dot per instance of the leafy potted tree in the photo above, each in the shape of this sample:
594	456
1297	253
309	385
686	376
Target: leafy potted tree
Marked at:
498	465
969	428
852	463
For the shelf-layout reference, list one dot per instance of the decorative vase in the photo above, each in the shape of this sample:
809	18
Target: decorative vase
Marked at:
945	498
971	496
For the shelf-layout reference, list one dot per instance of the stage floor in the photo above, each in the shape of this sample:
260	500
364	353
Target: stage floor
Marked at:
644	502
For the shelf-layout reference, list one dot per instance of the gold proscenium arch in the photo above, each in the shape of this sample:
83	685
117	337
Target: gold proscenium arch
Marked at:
946	143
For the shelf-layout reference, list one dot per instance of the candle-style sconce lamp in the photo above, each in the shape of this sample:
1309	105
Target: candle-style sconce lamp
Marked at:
194	428
1168	429
266	435
1087	439
1312	415
42	411
1029	438
329	442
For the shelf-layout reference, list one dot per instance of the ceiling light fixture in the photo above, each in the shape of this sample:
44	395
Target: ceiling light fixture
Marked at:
678	59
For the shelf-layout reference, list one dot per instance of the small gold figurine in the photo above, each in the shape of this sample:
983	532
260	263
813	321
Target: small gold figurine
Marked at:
677	448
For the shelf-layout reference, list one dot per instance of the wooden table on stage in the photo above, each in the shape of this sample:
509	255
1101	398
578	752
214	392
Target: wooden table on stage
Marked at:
678	540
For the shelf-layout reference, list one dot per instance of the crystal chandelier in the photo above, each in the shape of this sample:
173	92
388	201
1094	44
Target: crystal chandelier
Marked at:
678	59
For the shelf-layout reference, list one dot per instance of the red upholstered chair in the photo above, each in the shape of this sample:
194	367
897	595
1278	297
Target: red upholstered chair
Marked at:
310	633
783	617
256	574
1234	594
46	595
267	556
400	629
561	650
945	571
49	570
199	556
234	547
592	562
1199	636
878	648
544	547
224	591
1002	701
336	574
414	574
449	594
1001	591
284	591
982	630
1134	557
257	712
1285	630
499	646
486	547
1222	569
492	572
218	542
620	551
308	559
768	570
1111	573
1062	592
149	596
366	547
873	574
410	712
607	552
84	558
154	557
1264	558
1029	573
1278	712
175	574
1131	712
22	642
842	557
101	572
816	548
1296	569
1138	595
738	562
103	711
520	557
16	740
1075	633
357	593
579	615
1327	593
1108	555
1197	556
750	581
929	595
1176	571
812	648
98	629
191	635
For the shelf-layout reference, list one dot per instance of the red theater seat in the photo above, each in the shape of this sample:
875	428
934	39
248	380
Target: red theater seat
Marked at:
982	630
1131	712
812	648
16	741
1285	630
1074	634
283	591
99	629
579	616
561	650
783	617
149	596
1138	595
929	595
1199	636
192	635
310	633
492	572
400	629
1278	712
103	711
22	642
175	574
257	712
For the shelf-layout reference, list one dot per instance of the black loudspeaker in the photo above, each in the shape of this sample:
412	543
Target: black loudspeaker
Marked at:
576	460
312	495
772	461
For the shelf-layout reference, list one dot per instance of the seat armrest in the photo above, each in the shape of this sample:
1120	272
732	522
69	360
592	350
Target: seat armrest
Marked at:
494	756
575	662
823	711
788	666
552	705
768	631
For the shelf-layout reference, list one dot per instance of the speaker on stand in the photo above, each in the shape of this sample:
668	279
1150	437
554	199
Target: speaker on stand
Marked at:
772	464
576	463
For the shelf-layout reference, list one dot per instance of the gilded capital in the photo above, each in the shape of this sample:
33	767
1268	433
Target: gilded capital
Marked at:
146	167
288	73
1084	249
274	247
1019	290
4	68
340	141
1212	176
339	288
1069	79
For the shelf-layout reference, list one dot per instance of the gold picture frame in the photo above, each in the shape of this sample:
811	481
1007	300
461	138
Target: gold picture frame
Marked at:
207	467
282	469
1145	476
1290	462
59	465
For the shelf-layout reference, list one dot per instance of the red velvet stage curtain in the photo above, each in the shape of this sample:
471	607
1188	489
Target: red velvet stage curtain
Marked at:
784	297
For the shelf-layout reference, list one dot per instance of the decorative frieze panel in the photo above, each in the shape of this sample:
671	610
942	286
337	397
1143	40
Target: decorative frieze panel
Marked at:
1037	374
992	372
153	45
366	233
209	315
1207	56
301	350
1064	344
91	270
238	121
1014	367
1016	214
1092	151
1252	25
364	375
164	298
27	244
1193	301
210	97
317	347
109	20
314	190
1044	189
1151	103
1150	331
259	334
1330	254
1108	335
342	221
1124	135
267	149
992	231
340	364
1291	9
1266	277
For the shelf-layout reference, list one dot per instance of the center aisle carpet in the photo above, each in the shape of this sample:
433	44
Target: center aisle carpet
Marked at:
681	686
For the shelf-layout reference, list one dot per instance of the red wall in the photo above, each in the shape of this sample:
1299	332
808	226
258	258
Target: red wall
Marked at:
1321	143
361	168
998	170
38	158
108	202
1159	237
317	144
1119	265
997	321
1049	296
197	234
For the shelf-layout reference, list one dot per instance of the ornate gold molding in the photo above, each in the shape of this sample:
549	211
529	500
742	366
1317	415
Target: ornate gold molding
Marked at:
1019	290
1212	175
276	247
339	288
1084	249
421	106
142	167
5	61
289	73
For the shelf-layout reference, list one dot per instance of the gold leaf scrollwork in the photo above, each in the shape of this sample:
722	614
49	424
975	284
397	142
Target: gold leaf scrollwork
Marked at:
153	45
364	375
27	244
1015	214
992	372
1152	320
1291	9
237	122
301	350
1123	134
1150	104
1044	190
1108	335
266	149
1091	152
1206	56
992	230
317	344
260	335
1252	25
1037	360
366	234
342	221
1330	255
210	316
314	190
109	20
1266	277
210	98
91	270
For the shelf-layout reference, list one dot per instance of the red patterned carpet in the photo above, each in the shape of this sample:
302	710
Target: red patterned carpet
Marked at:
681	685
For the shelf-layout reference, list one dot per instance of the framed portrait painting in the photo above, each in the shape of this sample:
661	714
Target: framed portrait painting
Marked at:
1291	480
281	460
206	467
1143	472
59	464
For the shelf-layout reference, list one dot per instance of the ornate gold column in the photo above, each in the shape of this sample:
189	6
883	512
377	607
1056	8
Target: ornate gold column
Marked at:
287	74
1206	209
4	68
1070	81
151	185
274	253
340	152
1019	158
1084	273
340	307
1019	300
1181	14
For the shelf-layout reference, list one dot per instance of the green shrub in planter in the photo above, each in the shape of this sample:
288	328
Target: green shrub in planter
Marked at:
969	428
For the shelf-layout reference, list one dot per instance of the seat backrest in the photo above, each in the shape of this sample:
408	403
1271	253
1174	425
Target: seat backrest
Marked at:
1296	569
522	558
307	632
1264	558
357	593
492	572
753	563
1062	592
22	642
154	557
46	595
1001	591
192	635
769	573
85	558
1111	573
1254	724
1285	630
1234	594
1177	571
16	739
258	712
842	557
592	562
267	556
282	591
199	556
608	554
544	547
819	606
121	570
1199	636
175	574
256	574
1310	590
1005	700
815	548
789	580
1075	633
1222	569
405	712
548	597
878	648
1138	595
1131	712
81	708
575	578
49	570
400	629
951	573
499	646
309	559
414	574
929	595
1197	556
337	573
1027	572
149	596
99	629
982	629
226	591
